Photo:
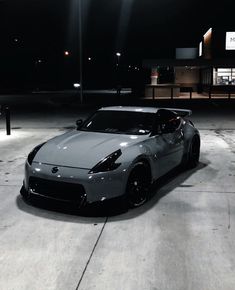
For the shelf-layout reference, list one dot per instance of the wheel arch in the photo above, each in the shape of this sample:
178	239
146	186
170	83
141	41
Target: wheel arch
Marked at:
142	159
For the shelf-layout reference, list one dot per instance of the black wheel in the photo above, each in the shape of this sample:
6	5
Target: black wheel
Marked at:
194	153
138	185
24	193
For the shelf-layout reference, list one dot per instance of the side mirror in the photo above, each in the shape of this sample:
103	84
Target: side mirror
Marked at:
79	123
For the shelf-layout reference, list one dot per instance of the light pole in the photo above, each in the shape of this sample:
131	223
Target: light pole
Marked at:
80	48
118	54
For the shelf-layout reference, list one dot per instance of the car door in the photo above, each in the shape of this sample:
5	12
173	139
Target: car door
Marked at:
161	146
172	135
160	149
166	142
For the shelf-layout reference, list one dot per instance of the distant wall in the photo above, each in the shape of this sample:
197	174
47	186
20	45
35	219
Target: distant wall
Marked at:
187	77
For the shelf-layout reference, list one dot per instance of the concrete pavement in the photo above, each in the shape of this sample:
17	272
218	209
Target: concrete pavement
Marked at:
183	238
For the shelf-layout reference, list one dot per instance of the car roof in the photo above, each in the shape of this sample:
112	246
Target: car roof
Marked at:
130	109
180	112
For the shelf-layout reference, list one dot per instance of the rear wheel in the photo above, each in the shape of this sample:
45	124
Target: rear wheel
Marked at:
191	159
138	185
194	153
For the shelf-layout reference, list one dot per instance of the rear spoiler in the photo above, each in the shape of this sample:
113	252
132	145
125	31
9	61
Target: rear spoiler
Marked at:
181	112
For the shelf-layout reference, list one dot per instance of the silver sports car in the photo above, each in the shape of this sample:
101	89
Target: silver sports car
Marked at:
117	152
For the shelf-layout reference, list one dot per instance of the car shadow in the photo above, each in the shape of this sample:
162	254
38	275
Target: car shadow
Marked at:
161	188
54	211
116	208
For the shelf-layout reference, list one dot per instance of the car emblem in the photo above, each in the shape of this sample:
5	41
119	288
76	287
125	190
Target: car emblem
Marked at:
54	169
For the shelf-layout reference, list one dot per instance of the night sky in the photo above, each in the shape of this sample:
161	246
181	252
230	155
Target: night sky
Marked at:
44	29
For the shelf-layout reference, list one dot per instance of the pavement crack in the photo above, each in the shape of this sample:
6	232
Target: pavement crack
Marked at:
229	213
206	191
8	185
92	252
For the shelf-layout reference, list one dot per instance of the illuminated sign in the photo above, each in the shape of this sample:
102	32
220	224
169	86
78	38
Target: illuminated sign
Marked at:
230	40
208	33
207	44
200	48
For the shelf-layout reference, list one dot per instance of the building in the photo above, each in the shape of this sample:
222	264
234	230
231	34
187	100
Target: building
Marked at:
208	69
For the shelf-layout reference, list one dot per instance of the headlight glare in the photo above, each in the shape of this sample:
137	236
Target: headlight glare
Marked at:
108	163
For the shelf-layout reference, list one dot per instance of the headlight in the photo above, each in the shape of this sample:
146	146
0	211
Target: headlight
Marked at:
108	163
33	153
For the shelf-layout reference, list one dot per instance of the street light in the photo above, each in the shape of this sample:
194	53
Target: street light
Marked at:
118	54
76	85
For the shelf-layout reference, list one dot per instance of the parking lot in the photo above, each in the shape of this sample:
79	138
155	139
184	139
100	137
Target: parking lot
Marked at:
183	238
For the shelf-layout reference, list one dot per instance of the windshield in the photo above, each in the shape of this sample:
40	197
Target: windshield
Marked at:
120	122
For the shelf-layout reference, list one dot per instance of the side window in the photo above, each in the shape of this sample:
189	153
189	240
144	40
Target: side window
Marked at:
175	122
168	121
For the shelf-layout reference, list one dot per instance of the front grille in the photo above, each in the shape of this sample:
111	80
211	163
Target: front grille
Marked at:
57	189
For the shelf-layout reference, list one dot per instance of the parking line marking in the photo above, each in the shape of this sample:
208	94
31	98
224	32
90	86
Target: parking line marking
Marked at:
93	250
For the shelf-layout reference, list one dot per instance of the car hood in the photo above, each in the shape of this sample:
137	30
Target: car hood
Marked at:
82	149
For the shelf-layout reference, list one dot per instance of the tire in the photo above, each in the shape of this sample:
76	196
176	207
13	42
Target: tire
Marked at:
138	185
191	159
24	193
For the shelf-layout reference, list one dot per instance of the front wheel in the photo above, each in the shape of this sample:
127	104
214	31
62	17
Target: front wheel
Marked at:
138	185
24	193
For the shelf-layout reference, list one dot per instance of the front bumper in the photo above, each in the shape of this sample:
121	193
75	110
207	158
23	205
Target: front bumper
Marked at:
68	182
